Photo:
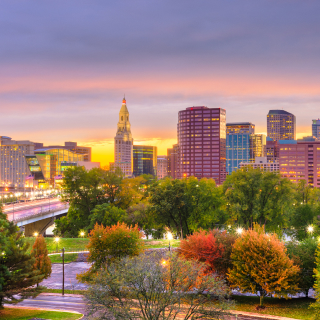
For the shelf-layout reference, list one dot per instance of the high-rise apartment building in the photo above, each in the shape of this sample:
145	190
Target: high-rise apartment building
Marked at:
123	142
202	143
316	128
300	160
13	165
281	125
238	144
162	167
263	164
144	160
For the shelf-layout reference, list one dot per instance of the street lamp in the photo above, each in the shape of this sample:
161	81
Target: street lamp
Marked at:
310	229
82	234
56	239
169	237
239	231
36	234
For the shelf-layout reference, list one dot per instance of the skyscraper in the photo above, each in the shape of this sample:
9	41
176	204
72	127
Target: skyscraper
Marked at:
281	125
162	167
202	143
238	144
123	142
316	128
257	146
144	160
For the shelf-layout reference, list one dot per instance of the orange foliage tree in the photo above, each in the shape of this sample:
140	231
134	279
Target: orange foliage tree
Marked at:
261	265
42	260
211	247
107	244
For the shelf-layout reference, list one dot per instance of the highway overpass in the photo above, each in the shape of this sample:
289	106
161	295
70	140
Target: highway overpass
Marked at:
36	216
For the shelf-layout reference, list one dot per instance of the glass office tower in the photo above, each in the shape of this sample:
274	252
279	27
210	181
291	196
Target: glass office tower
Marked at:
281	125
144	160
238	144
316	128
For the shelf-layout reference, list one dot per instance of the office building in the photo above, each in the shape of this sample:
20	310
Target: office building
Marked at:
202	143
238	144
14	169
300	160
162	167
263	164
281	125
173	158
144	160
257	146
72	146
271	150
316	128
123	142
48	165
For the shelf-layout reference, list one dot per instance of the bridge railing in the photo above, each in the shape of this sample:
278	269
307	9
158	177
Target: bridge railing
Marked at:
42	212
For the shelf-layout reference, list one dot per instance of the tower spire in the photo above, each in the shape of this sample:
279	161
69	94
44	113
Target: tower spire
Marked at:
124	99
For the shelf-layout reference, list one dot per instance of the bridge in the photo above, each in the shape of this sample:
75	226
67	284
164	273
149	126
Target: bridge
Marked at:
36	216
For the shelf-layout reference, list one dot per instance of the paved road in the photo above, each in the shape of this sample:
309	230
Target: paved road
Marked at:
57	302
23	210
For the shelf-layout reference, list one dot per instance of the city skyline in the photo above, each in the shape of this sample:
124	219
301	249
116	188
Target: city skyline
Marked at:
66	66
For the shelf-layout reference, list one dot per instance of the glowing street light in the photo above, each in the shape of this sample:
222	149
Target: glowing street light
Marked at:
82	234
36	234
239	231
310	229
169	237
56	239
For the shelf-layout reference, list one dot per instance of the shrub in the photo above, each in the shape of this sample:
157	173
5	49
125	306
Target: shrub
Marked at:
107	244
211	247
316	305
261	265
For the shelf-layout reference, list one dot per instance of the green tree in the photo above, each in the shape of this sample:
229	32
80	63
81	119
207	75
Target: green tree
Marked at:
107	244
316	270
261	265
17	273
42	261
185	205
253	195
145	288
304	255
107	215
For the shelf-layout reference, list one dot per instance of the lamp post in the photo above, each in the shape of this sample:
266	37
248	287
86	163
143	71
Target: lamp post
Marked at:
169	237
63	271
56	239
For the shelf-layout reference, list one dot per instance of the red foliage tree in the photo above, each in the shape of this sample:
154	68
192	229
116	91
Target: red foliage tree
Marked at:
204	247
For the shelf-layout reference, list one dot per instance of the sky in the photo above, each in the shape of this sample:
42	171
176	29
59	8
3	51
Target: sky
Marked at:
66	65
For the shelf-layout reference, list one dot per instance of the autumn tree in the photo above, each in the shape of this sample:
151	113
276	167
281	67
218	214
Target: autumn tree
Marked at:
17	273
42	261
211	247
261	265
147	288
108	244
253	195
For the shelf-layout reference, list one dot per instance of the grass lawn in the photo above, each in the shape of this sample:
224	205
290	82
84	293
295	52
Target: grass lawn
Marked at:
68	257
70	244
79	244
291	308
25	314
156	243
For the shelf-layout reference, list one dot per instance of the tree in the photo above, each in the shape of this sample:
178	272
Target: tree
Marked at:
304	255
185	205
107	244
107	215
42	261
316	305
261	265
211	247
17	273
144	288
253	196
